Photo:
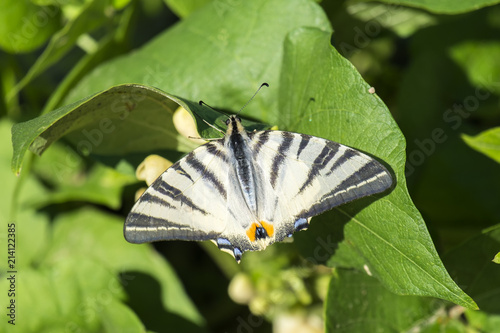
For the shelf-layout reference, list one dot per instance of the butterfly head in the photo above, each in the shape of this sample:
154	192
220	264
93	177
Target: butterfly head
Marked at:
232	119
234	125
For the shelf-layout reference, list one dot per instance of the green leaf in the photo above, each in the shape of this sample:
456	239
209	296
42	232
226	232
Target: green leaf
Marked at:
357	302
331	100
183	8
26	26
477	59
104	123
91	16
91	234
471	265
68	295
496	260
487	142
403	21
219	54
70	179
103	185
444	6
31	226
117	317
483	321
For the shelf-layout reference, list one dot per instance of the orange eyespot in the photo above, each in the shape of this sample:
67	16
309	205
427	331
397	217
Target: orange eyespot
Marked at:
269	228
252	230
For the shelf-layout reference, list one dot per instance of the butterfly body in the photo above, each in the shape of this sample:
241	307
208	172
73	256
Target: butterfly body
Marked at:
251	189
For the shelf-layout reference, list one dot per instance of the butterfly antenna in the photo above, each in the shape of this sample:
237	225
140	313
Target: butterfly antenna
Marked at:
215	128
206	122
262	85
203	103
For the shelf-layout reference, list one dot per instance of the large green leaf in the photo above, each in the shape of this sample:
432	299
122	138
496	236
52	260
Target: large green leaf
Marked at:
104	123
324	95
219	54
487	142
225	84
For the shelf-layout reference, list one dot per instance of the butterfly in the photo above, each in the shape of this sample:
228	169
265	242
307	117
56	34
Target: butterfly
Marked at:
249	190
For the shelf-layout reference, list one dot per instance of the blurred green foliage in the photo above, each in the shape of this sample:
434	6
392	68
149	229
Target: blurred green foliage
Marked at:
93	85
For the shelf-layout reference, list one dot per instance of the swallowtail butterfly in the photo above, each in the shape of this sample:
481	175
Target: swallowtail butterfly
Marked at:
250	189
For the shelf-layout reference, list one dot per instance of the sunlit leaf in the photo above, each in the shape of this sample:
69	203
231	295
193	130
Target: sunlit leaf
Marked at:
184	8
220	54
26	26
121	120
487	142
389	236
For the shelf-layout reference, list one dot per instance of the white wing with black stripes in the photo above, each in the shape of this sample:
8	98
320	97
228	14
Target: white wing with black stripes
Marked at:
249	190
177	204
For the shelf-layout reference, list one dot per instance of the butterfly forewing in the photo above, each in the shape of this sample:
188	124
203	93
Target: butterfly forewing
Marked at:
184	201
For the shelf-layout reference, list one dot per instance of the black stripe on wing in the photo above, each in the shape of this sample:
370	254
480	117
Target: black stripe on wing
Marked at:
177	167
175	194
345	157
206	174
370	179
142	228
216	148
148	197
261	139
279	158
320	162
376	180
304	141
